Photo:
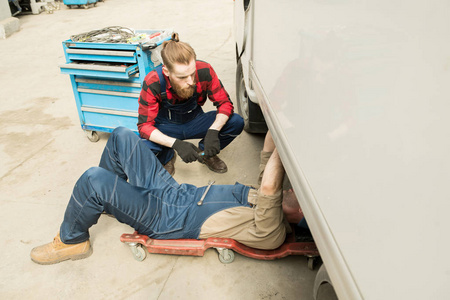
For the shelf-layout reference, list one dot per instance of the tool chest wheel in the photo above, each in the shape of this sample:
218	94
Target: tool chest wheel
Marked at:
138	251
226	256
92	136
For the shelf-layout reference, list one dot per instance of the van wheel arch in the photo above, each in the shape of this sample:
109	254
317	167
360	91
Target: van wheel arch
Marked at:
323	287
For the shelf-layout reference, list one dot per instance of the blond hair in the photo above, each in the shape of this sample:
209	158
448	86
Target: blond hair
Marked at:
174	51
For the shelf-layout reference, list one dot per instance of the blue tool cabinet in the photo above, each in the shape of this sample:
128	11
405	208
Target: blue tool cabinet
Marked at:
79	3
107	79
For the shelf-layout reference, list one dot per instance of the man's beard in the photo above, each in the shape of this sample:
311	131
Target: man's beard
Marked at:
184	93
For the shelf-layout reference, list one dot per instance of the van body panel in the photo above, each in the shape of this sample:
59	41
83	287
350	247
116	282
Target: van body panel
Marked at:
357	97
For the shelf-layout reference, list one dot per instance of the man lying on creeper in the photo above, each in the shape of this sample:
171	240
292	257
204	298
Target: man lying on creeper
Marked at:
133	186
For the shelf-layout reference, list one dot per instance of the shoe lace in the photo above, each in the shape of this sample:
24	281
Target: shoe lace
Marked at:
56	241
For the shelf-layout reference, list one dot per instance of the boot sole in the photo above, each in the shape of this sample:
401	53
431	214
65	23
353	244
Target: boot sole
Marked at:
74	257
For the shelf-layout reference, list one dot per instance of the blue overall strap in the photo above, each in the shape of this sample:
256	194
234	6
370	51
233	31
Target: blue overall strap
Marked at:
162	83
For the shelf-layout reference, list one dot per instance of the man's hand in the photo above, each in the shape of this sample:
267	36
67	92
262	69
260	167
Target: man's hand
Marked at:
212	143
187	151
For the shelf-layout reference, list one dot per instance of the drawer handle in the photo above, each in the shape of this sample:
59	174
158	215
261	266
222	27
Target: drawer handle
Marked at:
112	93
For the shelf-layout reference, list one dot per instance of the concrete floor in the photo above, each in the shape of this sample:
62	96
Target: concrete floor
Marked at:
43	151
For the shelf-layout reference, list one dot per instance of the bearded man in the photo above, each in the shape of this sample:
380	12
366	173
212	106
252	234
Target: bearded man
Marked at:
170	110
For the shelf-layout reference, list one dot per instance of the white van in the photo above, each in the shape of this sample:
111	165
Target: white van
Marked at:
357	97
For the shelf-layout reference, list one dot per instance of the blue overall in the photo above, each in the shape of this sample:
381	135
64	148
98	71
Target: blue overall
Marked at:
188	121
133	186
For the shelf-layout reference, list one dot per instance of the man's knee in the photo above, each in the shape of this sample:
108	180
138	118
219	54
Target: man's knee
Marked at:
120	130
236	122
93	172
122	133
94	176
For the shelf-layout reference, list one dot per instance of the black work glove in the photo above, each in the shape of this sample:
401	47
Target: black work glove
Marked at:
187	151
212	143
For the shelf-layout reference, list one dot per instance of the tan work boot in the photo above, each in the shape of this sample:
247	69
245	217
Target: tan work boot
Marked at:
170	166
215	164
57	251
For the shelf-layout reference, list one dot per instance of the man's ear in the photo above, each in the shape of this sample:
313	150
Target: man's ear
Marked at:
165	71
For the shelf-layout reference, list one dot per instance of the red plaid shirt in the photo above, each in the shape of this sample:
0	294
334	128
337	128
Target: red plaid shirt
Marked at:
208	85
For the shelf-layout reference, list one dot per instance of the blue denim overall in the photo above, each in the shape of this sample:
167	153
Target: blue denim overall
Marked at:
176	113
133	186
188	121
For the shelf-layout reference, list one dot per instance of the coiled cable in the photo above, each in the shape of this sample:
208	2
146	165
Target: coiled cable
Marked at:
111	34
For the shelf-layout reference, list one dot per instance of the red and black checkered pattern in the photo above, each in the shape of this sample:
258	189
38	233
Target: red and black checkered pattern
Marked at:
208	86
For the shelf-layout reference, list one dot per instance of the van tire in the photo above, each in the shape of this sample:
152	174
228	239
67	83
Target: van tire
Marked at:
251	113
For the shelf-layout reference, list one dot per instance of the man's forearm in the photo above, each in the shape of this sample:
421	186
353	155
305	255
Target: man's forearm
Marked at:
272	180
160	138
221	120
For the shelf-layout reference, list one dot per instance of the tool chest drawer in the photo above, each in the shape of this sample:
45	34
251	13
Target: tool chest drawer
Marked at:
110	94
107	79
106	60
111	70
126	56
